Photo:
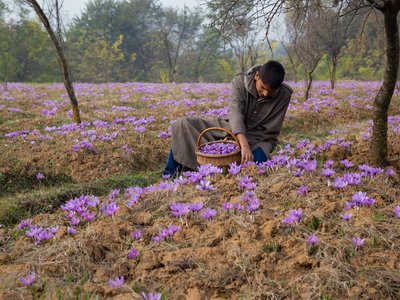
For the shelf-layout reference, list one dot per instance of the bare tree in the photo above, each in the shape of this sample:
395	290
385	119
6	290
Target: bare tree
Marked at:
62	60
333	32
268	10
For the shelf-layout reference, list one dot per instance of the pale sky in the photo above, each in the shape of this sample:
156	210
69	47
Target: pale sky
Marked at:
75	7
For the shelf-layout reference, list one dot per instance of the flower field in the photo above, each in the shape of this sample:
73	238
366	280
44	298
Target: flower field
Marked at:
316	221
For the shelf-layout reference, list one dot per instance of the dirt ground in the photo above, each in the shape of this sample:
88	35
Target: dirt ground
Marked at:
238	254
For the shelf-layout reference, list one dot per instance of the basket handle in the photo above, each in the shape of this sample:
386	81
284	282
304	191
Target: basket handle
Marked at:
216	128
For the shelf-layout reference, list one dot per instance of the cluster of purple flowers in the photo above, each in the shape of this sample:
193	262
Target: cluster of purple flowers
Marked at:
39	234
83	145
293	217
167	232
246	182
81	208
219	148
359	199
133	194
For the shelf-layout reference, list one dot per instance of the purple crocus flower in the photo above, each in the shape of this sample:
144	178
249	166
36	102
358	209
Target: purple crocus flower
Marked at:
298	173
249	195
234	169
312	239
179	209
29	279
346	163
328	164
137	234
109	208
253	205
151	296
327	172
346	217
358	242
25	223
294	216
209	213
196	207
74	221
71	230
246	182
390	172
113	194
39	176
133	253
227	206
339	183
302	191
117	282
205	185
396	211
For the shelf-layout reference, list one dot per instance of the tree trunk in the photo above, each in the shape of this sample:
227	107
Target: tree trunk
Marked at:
308	85
379	144
333	72
61	59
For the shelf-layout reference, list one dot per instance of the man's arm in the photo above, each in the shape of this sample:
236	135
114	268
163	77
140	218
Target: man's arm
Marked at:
247	154
236	117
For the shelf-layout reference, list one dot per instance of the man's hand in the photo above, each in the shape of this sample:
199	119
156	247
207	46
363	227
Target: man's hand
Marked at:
247	155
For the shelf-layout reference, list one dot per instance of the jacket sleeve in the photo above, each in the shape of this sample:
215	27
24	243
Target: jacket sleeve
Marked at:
237	104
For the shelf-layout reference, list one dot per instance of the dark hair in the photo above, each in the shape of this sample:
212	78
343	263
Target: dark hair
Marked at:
272	73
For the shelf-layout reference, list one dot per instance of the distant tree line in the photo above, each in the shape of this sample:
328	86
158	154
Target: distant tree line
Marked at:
140	40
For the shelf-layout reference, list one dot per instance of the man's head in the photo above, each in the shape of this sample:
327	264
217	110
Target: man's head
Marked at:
269	78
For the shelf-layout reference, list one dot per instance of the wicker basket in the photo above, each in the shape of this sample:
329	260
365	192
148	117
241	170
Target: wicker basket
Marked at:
219	160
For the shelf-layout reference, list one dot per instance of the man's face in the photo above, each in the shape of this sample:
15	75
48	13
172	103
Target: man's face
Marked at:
263	90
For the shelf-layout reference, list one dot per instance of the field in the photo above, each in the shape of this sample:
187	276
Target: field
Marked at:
83	204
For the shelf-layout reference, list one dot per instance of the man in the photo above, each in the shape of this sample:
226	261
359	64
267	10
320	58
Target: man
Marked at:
257	106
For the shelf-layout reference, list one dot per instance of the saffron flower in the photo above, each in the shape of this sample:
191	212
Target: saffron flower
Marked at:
71	230
137	234
25	223
312	239
340	183
227	206
396	211
209	213
253	205
109	209
113	194
328	164
179	209
151	296
346	163
294	216
302	191
327	172
39	176
247	183
117	282
205	185
29	279
234	169
196	207
133	253
167	232
346	217
358	242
